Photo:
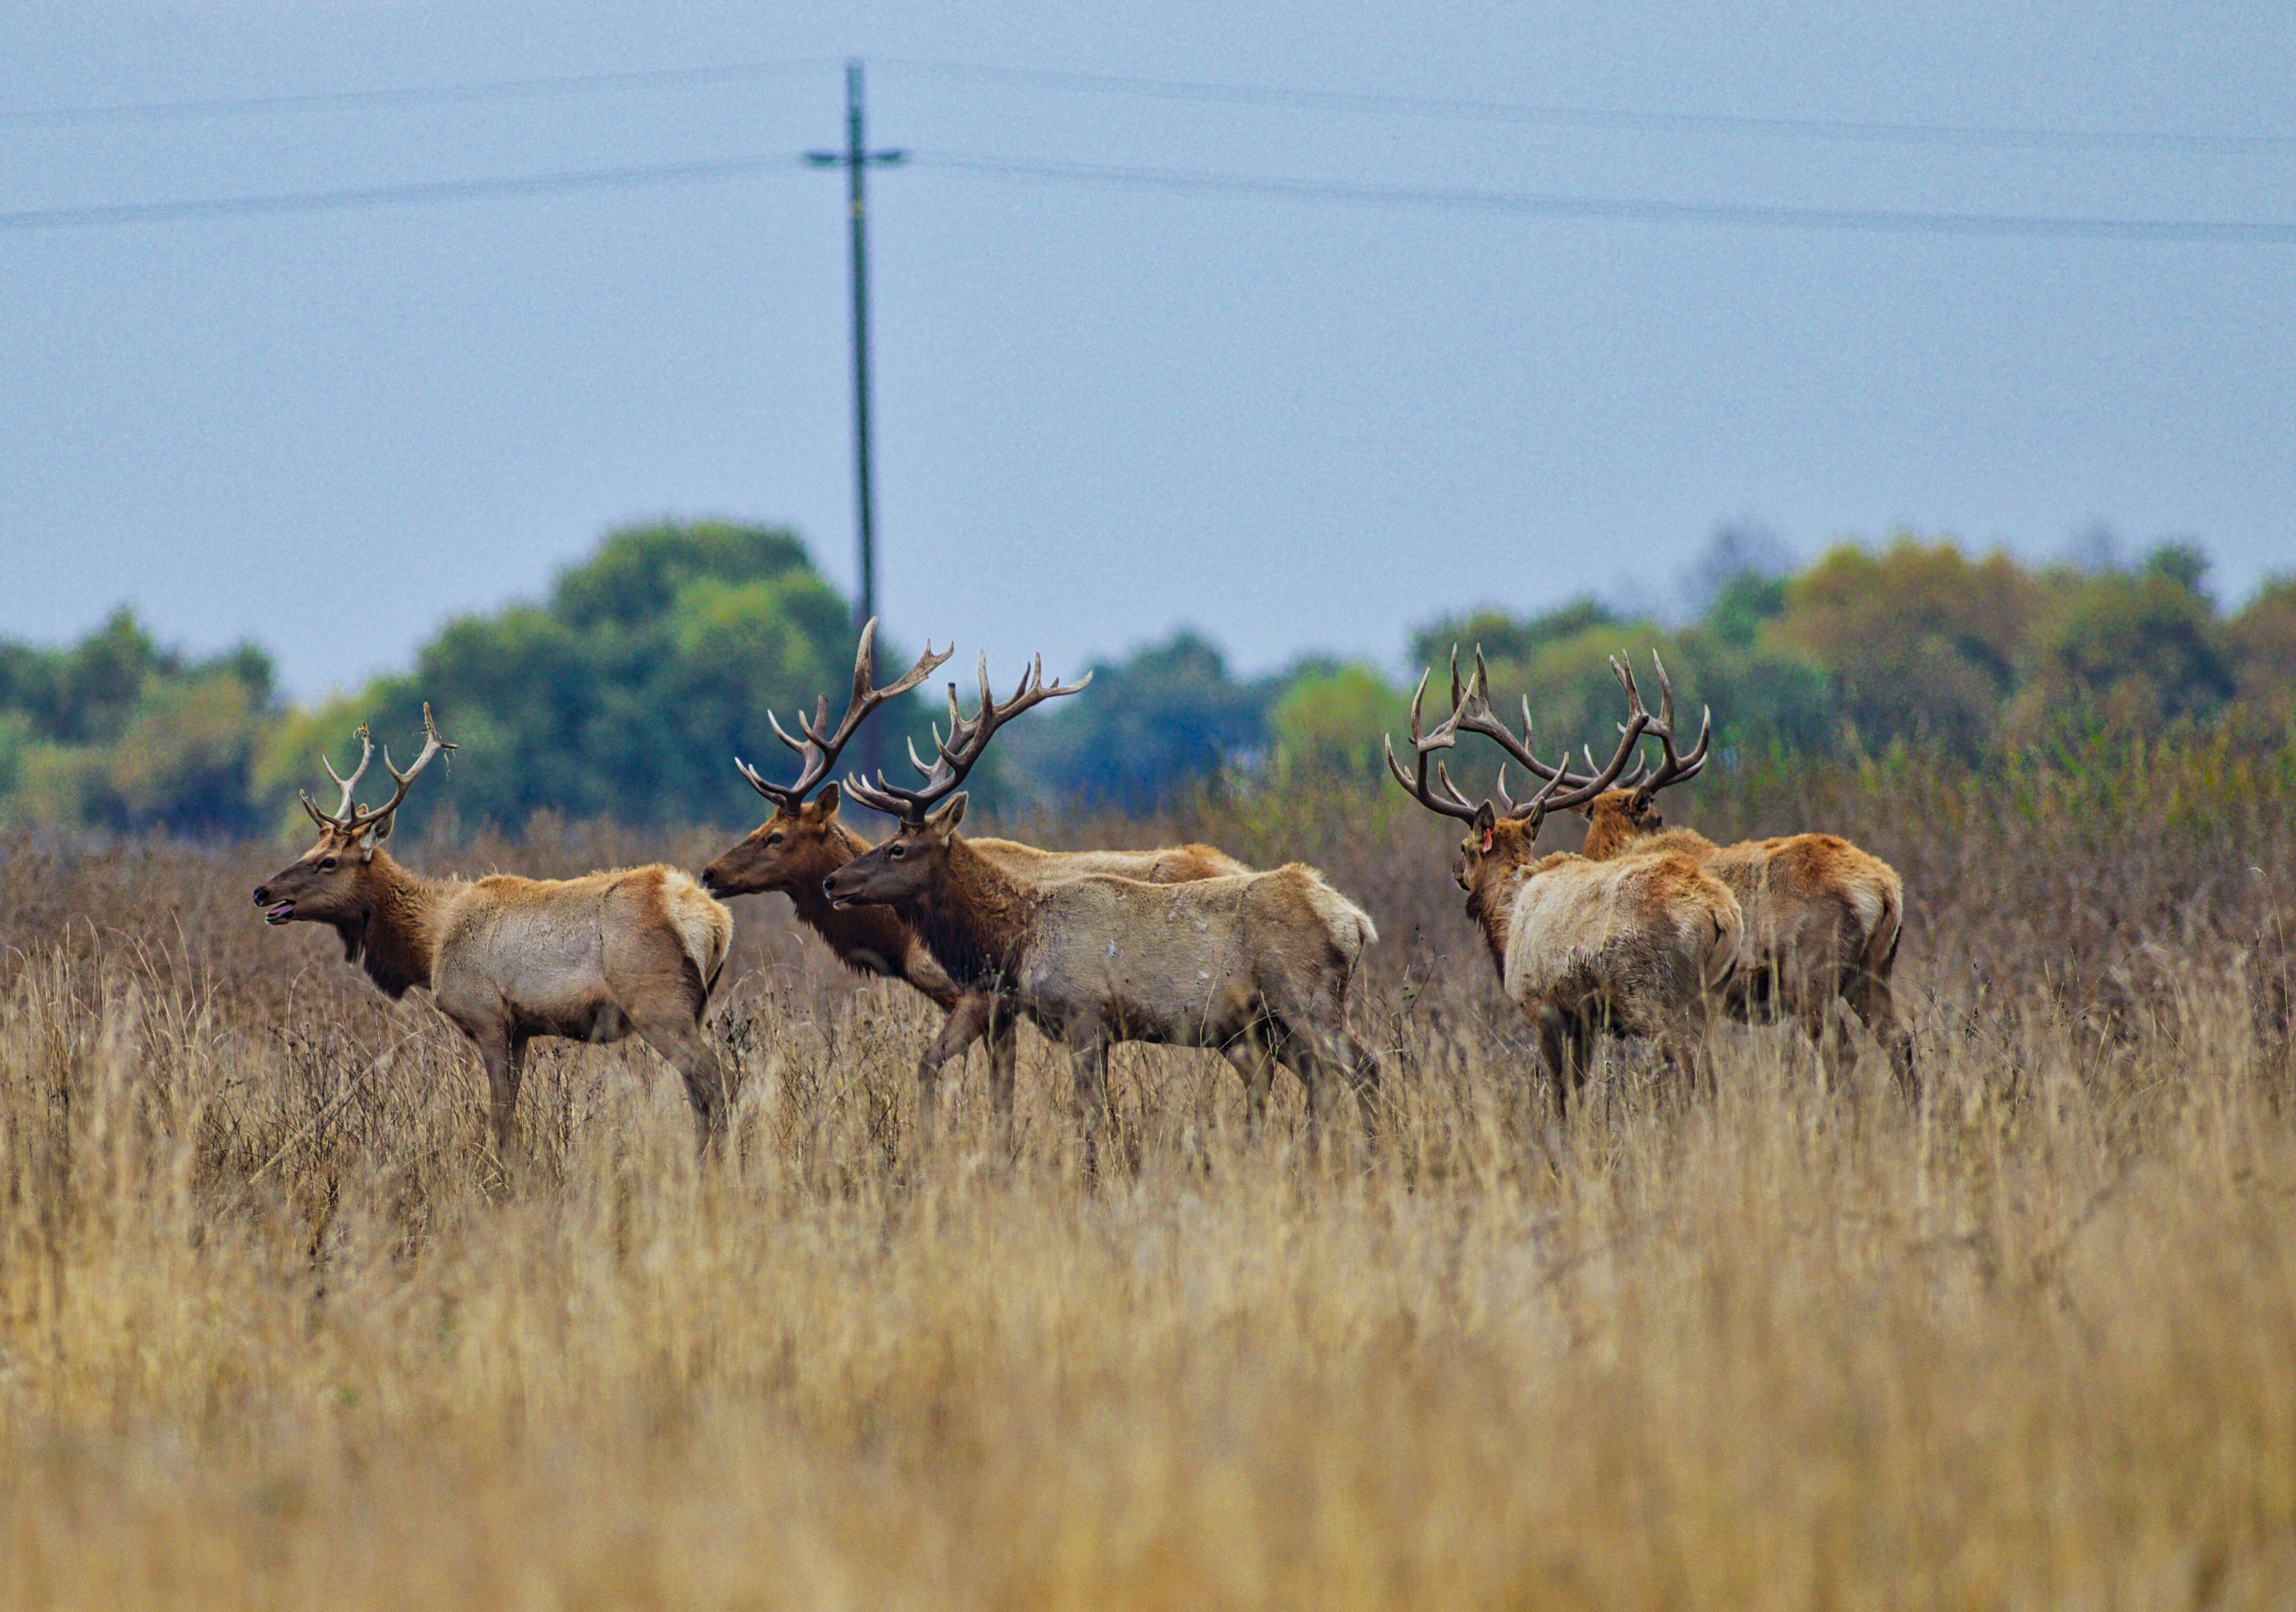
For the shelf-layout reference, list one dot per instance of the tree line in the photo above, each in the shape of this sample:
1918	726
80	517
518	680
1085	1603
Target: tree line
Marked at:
625	692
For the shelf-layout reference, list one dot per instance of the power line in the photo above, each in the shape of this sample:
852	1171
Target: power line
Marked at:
1554	114
1634	209
1603	118
1536	204
397	195
426	95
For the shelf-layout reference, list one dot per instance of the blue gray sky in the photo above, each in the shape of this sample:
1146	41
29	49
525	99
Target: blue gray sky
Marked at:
1106	410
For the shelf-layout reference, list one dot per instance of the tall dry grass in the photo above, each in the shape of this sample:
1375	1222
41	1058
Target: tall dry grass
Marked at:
275	1331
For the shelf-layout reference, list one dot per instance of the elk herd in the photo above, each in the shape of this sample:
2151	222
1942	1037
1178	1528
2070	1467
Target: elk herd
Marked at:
1644	932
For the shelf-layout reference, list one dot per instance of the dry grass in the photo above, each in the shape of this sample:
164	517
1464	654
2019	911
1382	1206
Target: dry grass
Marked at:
273	1332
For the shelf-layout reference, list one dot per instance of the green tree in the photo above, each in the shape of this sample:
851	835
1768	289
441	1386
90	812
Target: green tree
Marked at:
1165	716
1920	641
1335	719
656	661
2136	650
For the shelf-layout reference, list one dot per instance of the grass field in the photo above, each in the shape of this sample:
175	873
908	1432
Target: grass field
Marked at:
276	1332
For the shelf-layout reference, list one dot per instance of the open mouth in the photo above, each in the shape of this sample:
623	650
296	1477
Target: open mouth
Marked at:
279	911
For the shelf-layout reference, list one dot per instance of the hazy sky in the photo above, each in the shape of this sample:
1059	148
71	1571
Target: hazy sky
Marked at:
1104	412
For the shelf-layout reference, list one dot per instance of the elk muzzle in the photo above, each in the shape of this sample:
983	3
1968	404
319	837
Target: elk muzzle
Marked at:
275	909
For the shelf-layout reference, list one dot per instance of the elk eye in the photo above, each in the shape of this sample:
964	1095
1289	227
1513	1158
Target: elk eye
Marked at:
899	851
773	840
326	864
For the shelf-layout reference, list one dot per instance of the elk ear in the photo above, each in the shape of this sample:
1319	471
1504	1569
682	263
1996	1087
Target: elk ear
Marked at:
1486	820
374	835
823	806
943	823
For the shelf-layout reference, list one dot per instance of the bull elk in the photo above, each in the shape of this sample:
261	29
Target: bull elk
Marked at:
508	959
1823	917
804	841
1256	965
1638	945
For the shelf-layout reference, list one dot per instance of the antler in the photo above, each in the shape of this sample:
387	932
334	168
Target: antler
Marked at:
354	819
956	756
1471	709
1672	768
818	751
344	810
1450	803
1563	788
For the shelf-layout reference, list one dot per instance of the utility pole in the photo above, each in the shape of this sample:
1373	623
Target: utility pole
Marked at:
856	159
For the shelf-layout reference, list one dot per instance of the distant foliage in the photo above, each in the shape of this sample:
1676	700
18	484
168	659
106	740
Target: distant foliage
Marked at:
1166	715
626	693
116	733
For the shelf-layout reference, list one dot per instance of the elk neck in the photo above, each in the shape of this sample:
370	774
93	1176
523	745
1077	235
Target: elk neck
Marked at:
975	919
1490	904
870	940
394	935
1608	830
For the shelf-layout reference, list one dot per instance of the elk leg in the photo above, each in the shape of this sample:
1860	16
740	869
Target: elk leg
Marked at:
1245	1058
964	1025
1003	1053
658	989
1088	1100
683	1045
1555	1042
1872	1000
1579	1047
505	1060
1254	1059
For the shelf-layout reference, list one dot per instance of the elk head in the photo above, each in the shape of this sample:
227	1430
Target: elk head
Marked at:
1503	832
329	882
790	847
908	864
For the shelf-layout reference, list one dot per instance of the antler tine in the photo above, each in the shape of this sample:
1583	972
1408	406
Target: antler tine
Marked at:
1477	717
818	749
775	722
347	809
1673	767
1450	803
1577	791
956	756
432	744
864	664
770	791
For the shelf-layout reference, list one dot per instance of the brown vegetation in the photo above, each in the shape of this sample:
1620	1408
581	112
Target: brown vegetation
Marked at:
276	1332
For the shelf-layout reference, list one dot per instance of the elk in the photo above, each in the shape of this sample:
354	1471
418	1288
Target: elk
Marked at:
508	959
1823	917
1638	945
804	842
1255	965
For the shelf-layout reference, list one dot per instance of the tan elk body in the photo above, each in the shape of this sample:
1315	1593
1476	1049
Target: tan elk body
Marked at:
1640	946
805	841
1256	965
507	959
1823	917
